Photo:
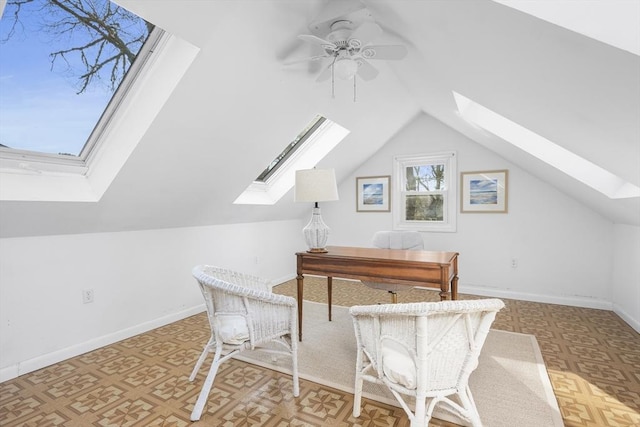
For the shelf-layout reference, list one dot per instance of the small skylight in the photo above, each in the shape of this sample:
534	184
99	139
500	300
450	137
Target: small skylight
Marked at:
314	142
290	149
549	152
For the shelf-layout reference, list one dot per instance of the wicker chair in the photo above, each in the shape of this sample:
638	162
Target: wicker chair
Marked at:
243	315
423	350
411	240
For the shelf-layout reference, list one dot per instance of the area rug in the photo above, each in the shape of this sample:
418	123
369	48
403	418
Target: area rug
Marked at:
510	386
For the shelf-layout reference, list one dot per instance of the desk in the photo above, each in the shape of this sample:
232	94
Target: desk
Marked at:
409	267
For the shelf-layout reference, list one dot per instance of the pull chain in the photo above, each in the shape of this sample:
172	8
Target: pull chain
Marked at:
354	88
333	92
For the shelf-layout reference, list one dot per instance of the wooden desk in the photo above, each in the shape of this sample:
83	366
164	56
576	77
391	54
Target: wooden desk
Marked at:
413	268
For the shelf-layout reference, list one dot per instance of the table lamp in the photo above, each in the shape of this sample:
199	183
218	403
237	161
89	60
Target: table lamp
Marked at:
316	185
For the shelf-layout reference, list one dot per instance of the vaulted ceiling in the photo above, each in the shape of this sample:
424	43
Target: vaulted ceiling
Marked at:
239	104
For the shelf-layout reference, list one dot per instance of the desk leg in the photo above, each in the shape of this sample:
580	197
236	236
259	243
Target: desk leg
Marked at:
300	280
454	280
444	284
329	292
454	288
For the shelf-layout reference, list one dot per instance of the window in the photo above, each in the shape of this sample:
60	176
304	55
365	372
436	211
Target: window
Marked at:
548	151
63	77
45	175
425	192
314	142
290	149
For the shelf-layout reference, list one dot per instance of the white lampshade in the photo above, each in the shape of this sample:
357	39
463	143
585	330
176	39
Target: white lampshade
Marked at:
316	185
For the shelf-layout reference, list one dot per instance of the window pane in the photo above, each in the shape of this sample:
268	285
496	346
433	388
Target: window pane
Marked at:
424	207
291	148
425	177
61	64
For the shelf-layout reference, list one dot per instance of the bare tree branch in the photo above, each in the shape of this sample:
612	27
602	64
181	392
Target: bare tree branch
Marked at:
17	5
105	37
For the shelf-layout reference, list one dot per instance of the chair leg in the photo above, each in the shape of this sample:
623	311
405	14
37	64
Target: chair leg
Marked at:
294	360
466	398
420	415
201	359
357	394
206	387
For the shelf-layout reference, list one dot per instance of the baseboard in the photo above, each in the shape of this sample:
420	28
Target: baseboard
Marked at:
283	279
40	362
572	300
48	359
634	323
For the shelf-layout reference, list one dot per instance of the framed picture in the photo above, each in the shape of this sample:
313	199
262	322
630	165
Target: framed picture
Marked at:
372	194
484	191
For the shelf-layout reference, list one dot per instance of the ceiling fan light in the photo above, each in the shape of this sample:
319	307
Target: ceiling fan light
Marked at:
345	68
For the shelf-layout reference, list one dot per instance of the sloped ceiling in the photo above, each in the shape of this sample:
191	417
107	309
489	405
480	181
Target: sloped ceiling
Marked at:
238	105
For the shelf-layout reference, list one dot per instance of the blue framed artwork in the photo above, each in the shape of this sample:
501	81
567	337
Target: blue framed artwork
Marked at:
372	194
484	191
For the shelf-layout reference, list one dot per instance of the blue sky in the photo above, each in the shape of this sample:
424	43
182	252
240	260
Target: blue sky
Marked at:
39	107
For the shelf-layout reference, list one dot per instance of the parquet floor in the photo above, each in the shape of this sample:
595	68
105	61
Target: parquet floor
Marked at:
593	360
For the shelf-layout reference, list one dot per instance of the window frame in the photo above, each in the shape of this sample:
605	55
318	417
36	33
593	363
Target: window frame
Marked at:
12	159
165	67
449	193
316	140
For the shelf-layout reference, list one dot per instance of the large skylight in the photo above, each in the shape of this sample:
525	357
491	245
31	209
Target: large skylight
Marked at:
549	152
63	62
148	82
314	142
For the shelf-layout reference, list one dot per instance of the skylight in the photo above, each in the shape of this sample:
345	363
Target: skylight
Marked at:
63	63
290	149
314	142
549	152
161	60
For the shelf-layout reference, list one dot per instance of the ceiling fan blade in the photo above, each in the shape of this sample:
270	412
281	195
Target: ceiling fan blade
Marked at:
387	52
325	44
364	34
325	74
366	71
309	59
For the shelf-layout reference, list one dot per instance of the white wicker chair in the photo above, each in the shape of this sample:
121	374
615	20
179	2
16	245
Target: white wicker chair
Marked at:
423	350
243	315
410	240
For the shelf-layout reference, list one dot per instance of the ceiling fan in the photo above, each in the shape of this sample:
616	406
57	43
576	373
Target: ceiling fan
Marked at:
348	48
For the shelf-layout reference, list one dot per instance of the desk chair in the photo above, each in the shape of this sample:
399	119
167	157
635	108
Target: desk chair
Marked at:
411	240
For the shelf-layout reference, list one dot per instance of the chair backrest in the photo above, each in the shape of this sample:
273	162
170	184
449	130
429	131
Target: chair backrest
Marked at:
422	347
224	289
398	240
233	302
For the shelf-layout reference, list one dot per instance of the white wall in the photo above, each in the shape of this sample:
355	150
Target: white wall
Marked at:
140	280
625	283
566	254
563	249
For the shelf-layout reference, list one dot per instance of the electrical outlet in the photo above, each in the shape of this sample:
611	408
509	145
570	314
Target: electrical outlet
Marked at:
87	296
514	263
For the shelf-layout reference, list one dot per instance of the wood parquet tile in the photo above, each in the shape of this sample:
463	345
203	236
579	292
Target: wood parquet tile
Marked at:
592	357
